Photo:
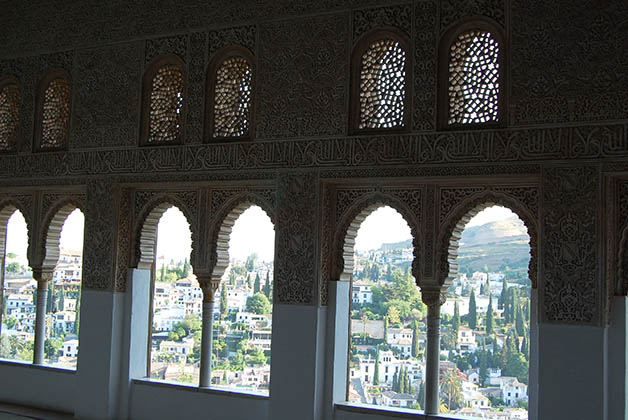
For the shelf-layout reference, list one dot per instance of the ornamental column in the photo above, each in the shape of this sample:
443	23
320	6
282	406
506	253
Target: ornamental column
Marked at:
209	287
43	278
433	299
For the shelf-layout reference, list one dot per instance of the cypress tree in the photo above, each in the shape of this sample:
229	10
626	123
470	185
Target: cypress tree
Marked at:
519	323
524	347
395	382
258	284
386	329
223	301
376	372
455	323
402	381
50	303
248	281
489	315
267	285
527	311
415	340
163	272
473	311
61	299
502	296
421	397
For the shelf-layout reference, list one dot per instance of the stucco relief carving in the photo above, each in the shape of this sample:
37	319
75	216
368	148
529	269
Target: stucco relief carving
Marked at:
399	16
296	239
303	77
458	204
124	238
195	85
177	45
498	146
101	210
425	54
454	10
244	36
107	97
571	287
621	232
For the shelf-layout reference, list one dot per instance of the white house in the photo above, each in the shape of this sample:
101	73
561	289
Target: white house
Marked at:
361	293
401	340
64	320
180	350
393	399
164	319
466	340
70	348
513	390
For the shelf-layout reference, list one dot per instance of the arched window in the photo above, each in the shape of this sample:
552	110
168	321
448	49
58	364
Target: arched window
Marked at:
229	108
472	61
17	306
10	103
380	90
163	109
55	97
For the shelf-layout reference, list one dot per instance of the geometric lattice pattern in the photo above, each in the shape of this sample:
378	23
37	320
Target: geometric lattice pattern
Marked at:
232	100
166	104
55	121
10	99
473	78
382	85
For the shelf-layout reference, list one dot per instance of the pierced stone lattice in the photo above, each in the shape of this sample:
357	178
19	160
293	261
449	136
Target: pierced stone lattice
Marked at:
55	119
166	105
9	116
473	78
382	85
233	98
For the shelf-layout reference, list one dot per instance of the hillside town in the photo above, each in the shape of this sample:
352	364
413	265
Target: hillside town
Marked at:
242	325
62	311
484	336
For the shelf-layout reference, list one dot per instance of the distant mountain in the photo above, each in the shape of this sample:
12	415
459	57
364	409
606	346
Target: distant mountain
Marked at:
506	230
396	245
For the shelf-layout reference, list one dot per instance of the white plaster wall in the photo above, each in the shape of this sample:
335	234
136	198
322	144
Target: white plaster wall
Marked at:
571	372
154	401
616	366
46	388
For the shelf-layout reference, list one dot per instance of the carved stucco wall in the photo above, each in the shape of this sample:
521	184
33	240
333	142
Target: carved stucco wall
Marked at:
303	54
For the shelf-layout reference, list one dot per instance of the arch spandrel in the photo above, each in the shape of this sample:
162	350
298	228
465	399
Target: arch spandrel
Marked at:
55	210
451	230
222	225
347	229
147	220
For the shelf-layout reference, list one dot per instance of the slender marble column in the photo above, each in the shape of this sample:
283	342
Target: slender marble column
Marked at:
433	300
209	288
43	278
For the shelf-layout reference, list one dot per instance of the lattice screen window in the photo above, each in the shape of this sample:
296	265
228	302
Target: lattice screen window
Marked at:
382	85
474	78
55	121
10	99
232	100
166	105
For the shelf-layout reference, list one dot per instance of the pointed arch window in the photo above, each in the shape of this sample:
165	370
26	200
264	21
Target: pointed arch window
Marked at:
380	82
229	110
163	99
10	104
472	58
55	98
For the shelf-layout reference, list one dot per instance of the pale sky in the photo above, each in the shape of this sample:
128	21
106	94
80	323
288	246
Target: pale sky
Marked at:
252	232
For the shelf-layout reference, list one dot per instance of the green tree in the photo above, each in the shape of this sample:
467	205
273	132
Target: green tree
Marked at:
502	297
525	348
519	322
393	315
257	285
13	268
455	323
489	315
451	387
267	289
223	302
257	357
376	372
402	381
248	281
415	340
163	272
52	299
77	309
250	262
473	312
258	304
395	382
421	397
386	329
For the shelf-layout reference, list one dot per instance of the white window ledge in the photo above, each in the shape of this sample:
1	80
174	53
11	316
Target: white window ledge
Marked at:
29	365
230	392
392	412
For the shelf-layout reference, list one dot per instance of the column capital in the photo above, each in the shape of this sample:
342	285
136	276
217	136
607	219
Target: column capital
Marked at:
433	297
208	285
42	275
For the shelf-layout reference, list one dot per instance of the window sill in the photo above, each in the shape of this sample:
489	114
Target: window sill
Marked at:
29	365
194	388
392	412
